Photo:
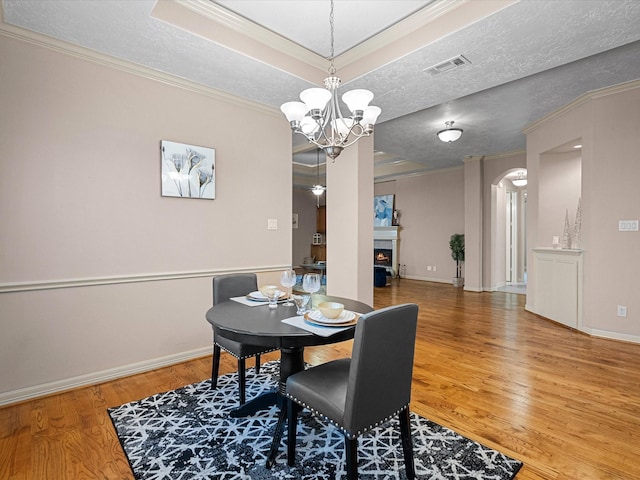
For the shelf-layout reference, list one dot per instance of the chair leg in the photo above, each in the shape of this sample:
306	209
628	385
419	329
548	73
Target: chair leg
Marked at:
407	443
241	379
215	366
292	427
351	452
257	364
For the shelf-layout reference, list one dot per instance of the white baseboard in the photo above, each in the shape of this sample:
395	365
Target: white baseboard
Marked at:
475	289
426	279
594	332
94	378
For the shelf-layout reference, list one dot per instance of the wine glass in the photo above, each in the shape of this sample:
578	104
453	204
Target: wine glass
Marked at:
311	284
288	279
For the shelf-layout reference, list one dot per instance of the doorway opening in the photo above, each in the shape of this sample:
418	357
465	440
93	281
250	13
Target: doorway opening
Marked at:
509	211
516	260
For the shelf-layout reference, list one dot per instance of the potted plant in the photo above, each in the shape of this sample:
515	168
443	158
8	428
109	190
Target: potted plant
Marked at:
456	243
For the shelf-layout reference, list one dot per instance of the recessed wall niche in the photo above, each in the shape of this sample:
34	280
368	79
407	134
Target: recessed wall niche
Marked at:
559	186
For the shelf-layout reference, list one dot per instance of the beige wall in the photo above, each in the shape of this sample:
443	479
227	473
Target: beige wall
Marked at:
608	123
304	204
432	209
99	274
559	187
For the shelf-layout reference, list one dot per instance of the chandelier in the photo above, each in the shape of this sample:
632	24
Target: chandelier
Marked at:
318	189
449	134
318	116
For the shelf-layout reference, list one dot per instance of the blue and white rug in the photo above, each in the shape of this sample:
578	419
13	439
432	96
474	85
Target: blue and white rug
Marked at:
187	434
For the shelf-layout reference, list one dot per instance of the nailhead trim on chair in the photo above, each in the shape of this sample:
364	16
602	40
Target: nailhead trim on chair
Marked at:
246	356
346	433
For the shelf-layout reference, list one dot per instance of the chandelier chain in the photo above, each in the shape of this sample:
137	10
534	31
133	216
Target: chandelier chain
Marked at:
332	69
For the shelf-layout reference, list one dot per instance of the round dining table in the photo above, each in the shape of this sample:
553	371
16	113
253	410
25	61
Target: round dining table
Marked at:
261	325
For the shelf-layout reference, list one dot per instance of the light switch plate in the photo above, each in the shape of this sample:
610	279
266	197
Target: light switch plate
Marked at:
628	226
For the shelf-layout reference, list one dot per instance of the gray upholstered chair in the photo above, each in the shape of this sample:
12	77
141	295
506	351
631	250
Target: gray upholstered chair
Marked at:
365	391
225	287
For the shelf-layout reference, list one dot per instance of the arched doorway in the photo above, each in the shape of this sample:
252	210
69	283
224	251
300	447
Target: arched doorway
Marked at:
509	207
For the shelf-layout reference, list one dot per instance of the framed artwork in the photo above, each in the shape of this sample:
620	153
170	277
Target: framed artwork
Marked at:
383	210
188	171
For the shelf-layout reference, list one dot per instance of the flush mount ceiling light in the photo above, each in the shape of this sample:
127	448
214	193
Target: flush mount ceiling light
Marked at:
520	180
449	134
318	116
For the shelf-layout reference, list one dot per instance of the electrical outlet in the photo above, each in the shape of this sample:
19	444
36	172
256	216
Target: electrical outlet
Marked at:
622	310
435	269
272	224
628	226
429	267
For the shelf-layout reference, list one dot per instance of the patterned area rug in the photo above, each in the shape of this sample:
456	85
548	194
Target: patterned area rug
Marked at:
187	434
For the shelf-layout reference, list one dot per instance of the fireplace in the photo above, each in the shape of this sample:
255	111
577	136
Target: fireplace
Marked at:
382	257
385	248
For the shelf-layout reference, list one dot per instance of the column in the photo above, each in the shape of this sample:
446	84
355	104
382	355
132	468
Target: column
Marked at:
350	222
473	223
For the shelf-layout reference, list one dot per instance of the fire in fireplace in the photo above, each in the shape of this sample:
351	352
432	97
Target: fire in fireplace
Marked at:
382	256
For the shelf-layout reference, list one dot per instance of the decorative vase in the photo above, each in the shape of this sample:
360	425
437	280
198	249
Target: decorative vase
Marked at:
577	227
566	237
458	282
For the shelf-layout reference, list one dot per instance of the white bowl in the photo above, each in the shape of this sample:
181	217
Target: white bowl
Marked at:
330	309
266	289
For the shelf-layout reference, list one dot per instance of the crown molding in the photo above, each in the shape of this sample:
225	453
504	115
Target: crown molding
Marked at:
403	28
506	154
86	54
414	173
581	100
254	31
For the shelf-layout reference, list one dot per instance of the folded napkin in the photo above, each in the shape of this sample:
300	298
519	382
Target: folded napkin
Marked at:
315	329
248	302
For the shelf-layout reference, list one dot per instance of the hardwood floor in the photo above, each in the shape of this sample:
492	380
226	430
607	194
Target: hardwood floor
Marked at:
566	404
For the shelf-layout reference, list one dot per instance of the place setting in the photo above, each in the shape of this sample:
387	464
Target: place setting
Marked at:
265	295
327	318
332	315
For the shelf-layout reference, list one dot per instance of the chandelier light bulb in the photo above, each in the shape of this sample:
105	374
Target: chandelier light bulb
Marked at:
343	126
309	126
294	111
357	100
315	98
371	115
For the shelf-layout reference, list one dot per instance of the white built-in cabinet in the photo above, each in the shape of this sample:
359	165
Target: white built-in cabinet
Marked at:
558	285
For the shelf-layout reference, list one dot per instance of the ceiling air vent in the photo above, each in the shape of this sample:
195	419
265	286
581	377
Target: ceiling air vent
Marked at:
447	65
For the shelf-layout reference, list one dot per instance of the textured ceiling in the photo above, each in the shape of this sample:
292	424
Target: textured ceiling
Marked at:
528	58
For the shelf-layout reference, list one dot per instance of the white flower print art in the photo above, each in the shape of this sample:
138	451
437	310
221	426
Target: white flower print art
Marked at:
188	171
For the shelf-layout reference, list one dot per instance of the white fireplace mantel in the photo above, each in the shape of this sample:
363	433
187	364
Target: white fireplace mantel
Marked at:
385	233
389	235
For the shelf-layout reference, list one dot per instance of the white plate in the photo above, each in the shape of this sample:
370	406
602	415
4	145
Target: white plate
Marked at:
345	317
258	296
